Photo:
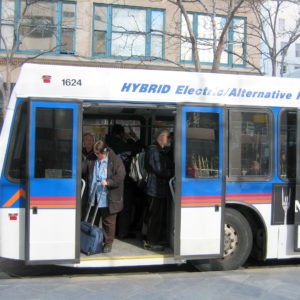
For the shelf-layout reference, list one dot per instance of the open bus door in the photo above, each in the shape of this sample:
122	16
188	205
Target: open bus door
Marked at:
199	221
53	176
297	198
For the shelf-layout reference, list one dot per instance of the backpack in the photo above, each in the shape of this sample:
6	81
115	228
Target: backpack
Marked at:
126	158
138	172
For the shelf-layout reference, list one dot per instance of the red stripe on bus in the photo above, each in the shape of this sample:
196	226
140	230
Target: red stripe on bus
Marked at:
198	204
248	198
52	198
204	200
249	195
200	197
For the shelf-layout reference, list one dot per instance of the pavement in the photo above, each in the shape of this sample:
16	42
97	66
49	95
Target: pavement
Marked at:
173	282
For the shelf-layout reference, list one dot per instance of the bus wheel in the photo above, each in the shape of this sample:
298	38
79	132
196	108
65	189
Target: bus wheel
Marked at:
237	244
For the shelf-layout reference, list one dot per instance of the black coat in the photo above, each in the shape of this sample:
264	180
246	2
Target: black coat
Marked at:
115	179
160	169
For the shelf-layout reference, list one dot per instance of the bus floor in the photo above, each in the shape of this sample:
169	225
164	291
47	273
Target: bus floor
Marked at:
129	248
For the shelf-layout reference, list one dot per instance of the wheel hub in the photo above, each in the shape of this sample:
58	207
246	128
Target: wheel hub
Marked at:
230	240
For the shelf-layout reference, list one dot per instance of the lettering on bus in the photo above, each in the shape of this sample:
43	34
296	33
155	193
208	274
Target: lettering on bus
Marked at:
233	92
71	82
146	88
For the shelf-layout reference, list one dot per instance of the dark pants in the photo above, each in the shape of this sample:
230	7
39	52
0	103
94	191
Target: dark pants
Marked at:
108	224
126	215
155	220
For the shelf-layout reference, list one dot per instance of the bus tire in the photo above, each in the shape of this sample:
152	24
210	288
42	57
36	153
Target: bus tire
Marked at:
238	240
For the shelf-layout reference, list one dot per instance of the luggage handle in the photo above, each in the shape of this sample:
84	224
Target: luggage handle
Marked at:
91	204
82	187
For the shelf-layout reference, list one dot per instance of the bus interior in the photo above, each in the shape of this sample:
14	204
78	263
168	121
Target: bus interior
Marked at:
144	121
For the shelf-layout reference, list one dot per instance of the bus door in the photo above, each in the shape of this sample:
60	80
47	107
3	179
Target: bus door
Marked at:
53	194
199	190
297	198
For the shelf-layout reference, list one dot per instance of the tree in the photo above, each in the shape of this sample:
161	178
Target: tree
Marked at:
218	27
270	32
30	26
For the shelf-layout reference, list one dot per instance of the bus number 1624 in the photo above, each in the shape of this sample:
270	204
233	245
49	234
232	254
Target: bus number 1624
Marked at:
71	82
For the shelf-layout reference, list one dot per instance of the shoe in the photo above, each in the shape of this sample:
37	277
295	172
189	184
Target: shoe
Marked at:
152	247
107	248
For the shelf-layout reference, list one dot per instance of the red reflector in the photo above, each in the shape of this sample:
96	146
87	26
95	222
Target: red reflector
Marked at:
46	78
13	217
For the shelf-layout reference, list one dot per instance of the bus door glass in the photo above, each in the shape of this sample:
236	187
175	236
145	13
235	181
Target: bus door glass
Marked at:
53	157
200	198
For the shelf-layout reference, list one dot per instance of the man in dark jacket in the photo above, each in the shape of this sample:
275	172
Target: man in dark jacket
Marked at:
160	169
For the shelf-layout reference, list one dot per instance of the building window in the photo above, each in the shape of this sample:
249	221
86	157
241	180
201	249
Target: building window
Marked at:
45	26
283	69
283	50
297	50
128	32
207	30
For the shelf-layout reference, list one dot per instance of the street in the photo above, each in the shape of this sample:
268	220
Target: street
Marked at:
269	281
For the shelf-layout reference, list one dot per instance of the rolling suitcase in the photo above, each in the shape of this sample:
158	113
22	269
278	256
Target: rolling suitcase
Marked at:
91	238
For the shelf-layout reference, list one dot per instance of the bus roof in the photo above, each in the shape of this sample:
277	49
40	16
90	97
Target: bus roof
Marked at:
152	86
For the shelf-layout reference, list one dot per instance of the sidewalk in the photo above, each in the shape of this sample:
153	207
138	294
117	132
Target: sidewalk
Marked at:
274	283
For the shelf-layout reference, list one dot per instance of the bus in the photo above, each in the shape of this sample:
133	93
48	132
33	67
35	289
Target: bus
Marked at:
236	154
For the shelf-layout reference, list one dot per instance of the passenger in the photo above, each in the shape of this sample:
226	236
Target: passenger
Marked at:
122	143
87	155
255	168
160	169
126	147
88	147
108	169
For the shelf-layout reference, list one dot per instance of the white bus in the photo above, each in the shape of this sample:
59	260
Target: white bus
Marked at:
235	191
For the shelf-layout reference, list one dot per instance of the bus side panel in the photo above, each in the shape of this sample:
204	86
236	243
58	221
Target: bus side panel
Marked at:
12	220
12	198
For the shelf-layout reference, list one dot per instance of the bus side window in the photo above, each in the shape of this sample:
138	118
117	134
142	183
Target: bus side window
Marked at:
287	145
16	162
250	144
